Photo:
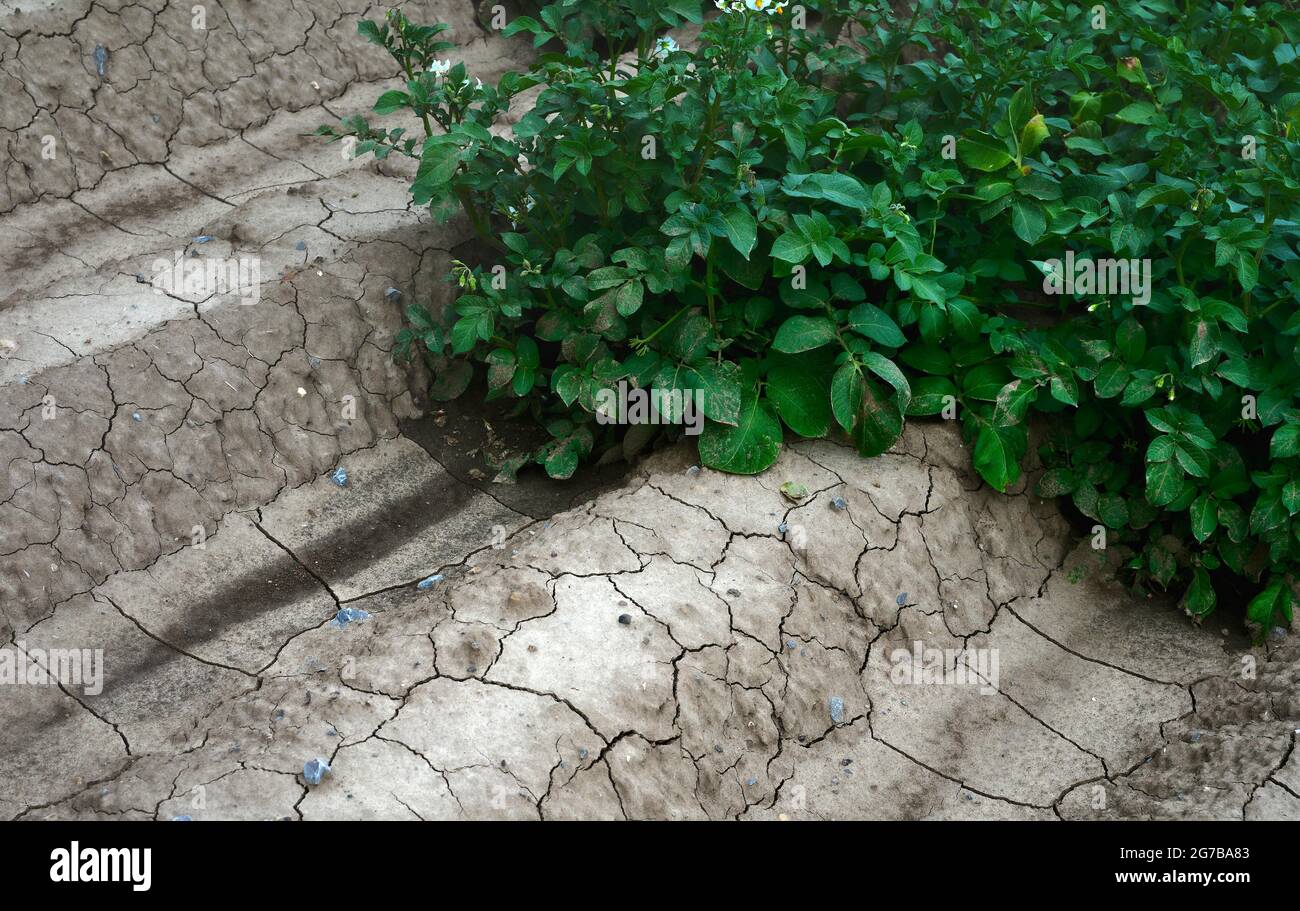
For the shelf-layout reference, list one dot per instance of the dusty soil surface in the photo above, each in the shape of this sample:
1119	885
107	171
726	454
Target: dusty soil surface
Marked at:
658	641
687	645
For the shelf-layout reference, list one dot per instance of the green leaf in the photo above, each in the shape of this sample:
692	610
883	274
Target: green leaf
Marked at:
872	418
1286	442
1139	389
1064	389
1204	344
742	230
1291	496
1110	380
1161	563
501	368
451	380
794	491
836	187
419	317
629	298
876	324
1086	143
791	247
693	339
749	447
1164	482
1204	513
888	371
1162	195
965	318
1131	340
1020	108
527	353
801	395
1056	482
803	333
1271	606
1233	518
1028	220
1014	400
608	277
983	383
1130	70
438	162
1269	513
465	334
928	358
846	394
983	152
561	457
567	383
930	394
1247	271
1112	510
1139	112
998	449
878	421
1199	599
523	381
1033	135
523	24
720	386
392	101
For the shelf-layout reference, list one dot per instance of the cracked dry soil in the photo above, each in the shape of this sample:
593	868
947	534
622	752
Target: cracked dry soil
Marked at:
673	644
663	651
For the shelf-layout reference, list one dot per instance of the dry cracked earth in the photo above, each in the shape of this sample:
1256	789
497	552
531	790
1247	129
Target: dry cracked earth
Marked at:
683	645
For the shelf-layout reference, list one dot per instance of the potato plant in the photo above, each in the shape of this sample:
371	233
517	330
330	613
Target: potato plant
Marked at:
836	216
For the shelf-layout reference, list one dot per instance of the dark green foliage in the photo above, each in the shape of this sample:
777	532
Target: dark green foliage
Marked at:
868	219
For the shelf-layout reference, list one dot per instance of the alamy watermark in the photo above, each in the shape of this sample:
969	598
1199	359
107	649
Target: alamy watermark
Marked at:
936	666
209	275
635	405
69	667
75	864
1102	276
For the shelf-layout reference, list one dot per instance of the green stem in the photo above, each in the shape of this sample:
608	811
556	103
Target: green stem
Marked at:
613	59
1271	307
1182	249
708	286
709	124
1268	229
410	77
477	221
934	225
601	202
642	342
